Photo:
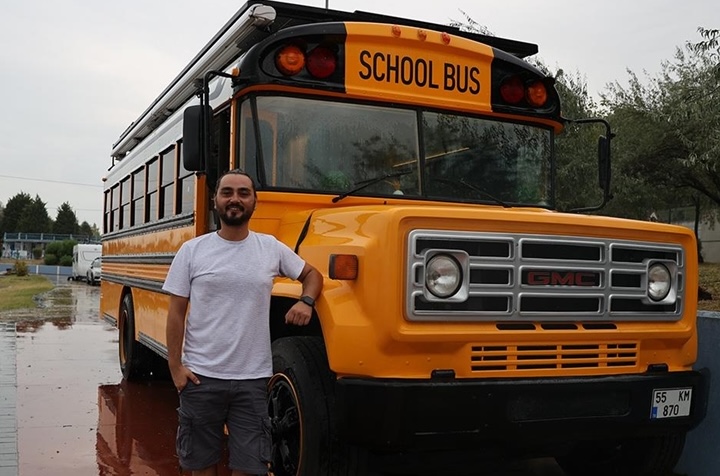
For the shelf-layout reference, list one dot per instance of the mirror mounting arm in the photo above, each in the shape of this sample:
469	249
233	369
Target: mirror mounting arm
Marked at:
604	163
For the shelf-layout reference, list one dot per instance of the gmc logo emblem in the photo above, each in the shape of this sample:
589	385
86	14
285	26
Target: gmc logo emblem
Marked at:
561	278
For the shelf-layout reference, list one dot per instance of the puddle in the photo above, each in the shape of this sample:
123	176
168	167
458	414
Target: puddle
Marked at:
63	305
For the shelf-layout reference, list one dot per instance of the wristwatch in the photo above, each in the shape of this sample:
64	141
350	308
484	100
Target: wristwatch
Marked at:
308	300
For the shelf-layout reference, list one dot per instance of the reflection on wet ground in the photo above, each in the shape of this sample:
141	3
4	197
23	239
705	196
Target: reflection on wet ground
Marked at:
136	429
65	410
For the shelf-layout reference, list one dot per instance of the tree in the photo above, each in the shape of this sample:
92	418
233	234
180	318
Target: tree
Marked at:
66	221
471	25
710	44
674	124
14	211
86	229
59	252
35	218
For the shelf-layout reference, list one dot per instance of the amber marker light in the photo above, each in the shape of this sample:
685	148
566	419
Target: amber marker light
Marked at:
445	38
396	31
290	60
537	94
343	267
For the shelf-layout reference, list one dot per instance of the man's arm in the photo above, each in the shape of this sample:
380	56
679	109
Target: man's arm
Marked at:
312	283
175	334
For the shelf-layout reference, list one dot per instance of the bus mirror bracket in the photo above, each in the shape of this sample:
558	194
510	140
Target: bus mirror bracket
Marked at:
604	162
197	135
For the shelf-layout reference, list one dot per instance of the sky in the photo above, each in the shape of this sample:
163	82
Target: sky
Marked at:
75	73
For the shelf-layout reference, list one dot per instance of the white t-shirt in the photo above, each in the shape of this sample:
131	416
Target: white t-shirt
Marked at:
229	283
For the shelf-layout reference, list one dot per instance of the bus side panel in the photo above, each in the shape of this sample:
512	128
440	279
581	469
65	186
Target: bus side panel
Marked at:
149	308
110	301
150	315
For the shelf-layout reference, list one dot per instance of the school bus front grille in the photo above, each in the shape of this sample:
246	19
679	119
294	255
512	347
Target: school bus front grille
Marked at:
531	278
549	357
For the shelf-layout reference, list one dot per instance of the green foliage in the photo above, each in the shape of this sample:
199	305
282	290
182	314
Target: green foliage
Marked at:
13	212
37	253
86	229
470	25
710	45
66	221
66	260
58	250
35	218
20	268
669	131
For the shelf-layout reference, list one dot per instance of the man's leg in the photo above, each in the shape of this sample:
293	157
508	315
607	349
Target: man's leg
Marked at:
201	417
248	423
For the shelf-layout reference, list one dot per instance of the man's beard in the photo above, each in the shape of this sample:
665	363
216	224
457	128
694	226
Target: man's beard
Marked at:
236	220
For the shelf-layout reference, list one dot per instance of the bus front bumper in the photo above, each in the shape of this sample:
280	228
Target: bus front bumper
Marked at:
395	414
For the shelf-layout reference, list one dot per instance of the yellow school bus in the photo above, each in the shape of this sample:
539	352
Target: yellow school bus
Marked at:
414	165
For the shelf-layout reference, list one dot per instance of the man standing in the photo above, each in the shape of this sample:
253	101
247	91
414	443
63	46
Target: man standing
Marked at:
220	358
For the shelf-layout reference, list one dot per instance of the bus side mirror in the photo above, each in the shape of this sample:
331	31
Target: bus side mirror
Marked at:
194	120
604	162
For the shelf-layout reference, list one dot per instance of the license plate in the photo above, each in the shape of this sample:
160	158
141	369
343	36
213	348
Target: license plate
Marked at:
671	402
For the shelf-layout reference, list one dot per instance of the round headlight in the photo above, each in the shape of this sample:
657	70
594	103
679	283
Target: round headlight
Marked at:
659	282
443	276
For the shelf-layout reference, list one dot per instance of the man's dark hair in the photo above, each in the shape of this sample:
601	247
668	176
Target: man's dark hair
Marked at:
235	172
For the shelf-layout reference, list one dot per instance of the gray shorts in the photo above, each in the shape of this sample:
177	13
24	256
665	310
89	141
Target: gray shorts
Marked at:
204	411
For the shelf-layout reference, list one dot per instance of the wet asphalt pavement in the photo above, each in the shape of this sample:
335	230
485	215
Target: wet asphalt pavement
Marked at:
65	410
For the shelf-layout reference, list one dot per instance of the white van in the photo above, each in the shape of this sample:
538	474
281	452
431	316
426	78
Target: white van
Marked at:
83	256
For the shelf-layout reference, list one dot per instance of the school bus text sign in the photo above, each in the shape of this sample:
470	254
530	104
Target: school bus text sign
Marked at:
416	66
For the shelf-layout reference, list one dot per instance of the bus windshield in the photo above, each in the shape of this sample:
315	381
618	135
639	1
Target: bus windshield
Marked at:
335	147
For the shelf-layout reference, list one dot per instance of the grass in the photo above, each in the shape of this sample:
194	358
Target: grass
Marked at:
710	282
27	261
17	292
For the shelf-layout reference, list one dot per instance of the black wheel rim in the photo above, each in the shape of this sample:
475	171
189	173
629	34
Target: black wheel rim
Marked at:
285	426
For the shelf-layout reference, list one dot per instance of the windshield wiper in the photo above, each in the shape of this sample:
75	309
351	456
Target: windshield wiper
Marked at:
474	188
366	183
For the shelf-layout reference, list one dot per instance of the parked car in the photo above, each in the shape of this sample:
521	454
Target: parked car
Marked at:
94	272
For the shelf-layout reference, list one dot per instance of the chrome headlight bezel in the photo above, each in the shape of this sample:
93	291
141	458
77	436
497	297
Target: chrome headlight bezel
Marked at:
662	282
452	265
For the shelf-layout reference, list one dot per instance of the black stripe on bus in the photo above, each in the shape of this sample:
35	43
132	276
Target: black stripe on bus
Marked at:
160	258
140	283
153	345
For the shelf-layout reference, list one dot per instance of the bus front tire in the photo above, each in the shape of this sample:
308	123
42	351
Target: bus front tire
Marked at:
301	405
651	456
